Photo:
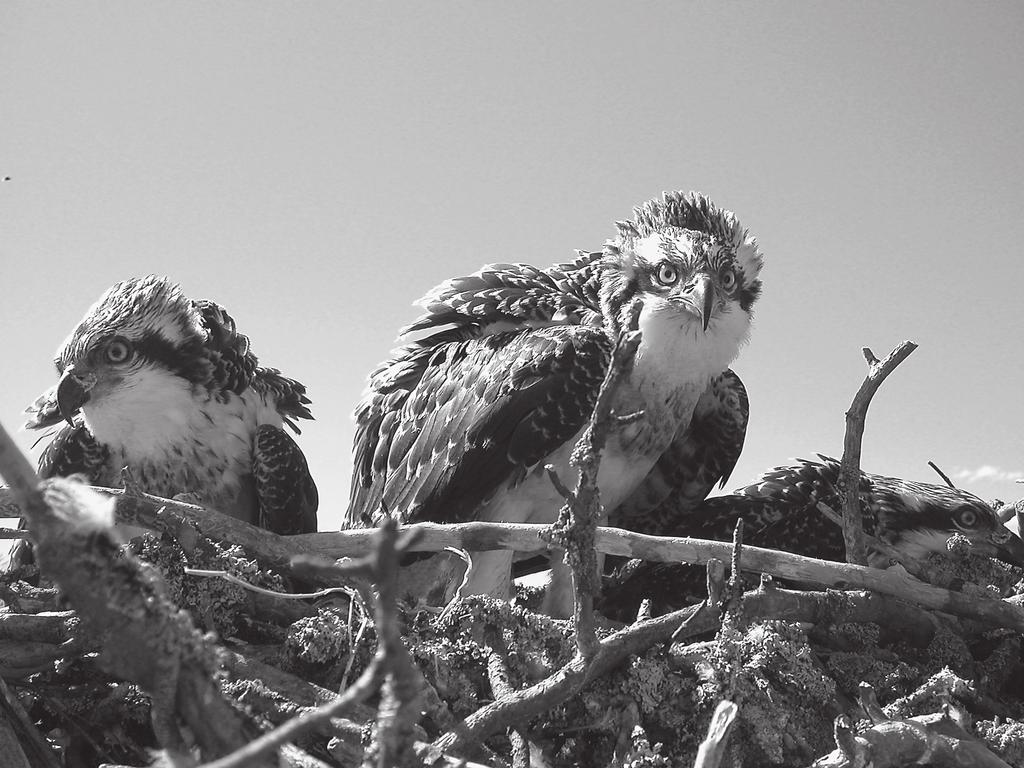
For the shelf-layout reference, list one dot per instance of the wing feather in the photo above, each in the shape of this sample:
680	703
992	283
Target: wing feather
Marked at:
234	367
519	294
75	451
702	455
483	411
287	495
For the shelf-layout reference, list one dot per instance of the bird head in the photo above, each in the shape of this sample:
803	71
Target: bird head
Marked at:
685	258
919	518
142	339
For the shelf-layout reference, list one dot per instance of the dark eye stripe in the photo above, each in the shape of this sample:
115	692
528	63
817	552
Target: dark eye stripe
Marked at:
187	361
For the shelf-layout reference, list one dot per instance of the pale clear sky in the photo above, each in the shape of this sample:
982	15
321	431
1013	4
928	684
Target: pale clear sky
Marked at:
315	167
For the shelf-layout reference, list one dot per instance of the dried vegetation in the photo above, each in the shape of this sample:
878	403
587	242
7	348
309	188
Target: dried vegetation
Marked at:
141	653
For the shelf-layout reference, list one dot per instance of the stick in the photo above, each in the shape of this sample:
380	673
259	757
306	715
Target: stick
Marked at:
32	742
123	605
501	685
310	720
637	638
391	667
712	749
849	473
914	624
574	531
935	740
940	473
478	536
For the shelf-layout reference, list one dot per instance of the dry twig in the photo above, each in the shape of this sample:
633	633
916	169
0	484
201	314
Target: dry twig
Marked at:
892	553
272	548
916	626
574	531
30	742
636	638
122	603
391	666
849	473
712	749
943	475
936	740
501	685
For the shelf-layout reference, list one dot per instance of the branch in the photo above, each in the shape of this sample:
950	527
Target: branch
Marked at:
943	475
311	720
811	607
123	604
913	567
232	579
936	740
501	686
398	710
915	625
712	749
849	472
391	667
30	742
31	642
575	528
274	549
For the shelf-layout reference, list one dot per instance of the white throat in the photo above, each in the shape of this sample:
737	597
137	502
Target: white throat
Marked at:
156	416
675	351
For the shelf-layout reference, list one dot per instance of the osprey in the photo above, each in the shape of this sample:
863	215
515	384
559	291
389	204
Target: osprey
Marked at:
166	386
500	375
780	511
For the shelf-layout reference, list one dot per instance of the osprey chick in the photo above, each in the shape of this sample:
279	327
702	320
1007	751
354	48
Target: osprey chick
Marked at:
166	386
502	372
780	511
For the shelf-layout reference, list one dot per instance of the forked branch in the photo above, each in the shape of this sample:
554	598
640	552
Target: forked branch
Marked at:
849	473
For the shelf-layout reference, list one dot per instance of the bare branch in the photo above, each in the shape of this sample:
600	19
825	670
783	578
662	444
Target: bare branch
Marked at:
362	689
912	567
735	579
712	749
810	607
562	488
707	611
575	528
611	541
501	685
30	741
391	666
935	740
123	605
940	473
232	579
916	625
849	473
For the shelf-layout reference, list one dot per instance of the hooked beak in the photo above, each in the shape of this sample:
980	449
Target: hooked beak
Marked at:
701	297
1009	547
73	392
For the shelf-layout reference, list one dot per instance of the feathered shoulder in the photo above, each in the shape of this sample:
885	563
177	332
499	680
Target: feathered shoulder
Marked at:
501	296
234	368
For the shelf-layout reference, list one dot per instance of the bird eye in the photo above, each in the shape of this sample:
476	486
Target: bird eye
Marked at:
668	274
118	351
728	278
966	517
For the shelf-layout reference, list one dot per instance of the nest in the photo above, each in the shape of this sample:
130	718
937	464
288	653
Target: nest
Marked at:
190	647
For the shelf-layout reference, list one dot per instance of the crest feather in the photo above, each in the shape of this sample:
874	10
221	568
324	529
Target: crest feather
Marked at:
131	308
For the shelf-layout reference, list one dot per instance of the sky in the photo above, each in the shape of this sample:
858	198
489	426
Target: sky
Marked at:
316	167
